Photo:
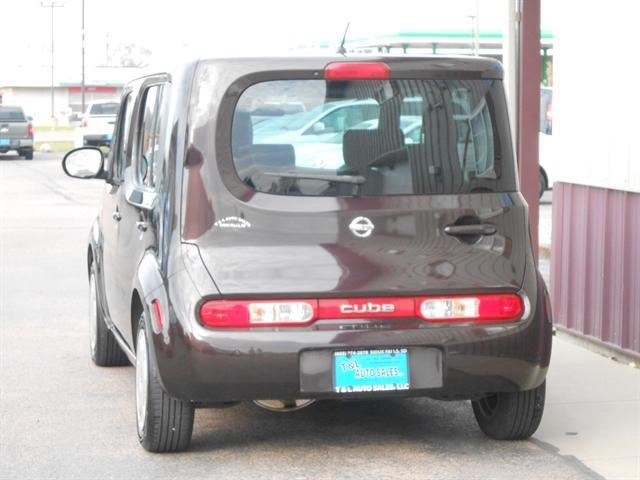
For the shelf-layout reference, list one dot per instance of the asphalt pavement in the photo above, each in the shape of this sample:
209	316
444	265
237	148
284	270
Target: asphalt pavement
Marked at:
62	417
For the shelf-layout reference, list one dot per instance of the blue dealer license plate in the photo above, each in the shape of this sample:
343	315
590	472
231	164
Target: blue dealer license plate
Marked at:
5	142
379	370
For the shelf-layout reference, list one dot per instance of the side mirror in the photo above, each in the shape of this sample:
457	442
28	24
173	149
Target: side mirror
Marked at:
318	127
84	162
29	118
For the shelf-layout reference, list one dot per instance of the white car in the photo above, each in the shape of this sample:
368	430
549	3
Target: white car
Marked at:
97	124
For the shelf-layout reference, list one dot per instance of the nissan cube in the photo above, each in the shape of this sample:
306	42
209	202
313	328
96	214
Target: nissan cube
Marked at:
372	243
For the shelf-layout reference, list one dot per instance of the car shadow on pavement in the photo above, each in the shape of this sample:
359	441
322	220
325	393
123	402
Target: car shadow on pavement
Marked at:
380	434
337	423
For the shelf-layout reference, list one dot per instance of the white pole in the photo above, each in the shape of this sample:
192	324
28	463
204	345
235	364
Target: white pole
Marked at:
510	62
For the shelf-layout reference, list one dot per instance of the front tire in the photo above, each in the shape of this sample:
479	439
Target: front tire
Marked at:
510	415
104	349
164	423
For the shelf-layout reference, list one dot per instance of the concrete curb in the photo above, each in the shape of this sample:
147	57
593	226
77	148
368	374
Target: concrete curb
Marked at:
595	345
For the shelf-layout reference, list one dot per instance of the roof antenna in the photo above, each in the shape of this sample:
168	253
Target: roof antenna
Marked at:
341	50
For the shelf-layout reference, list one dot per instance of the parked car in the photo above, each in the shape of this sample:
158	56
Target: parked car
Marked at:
547	166
16	132
97	124
277	109
411	126
225	270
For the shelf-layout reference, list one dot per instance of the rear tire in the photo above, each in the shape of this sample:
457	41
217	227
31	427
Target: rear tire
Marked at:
105	351
542	184
28	155
164	423
510	415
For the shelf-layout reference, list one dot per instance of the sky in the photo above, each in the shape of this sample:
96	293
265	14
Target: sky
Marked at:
176	30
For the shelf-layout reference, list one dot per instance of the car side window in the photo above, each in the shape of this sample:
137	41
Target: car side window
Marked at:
148	155
120	146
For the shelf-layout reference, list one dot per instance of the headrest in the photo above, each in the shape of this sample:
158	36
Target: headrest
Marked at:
241	130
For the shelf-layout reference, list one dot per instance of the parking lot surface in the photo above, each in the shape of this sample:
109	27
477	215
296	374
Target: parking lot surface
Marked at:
63	417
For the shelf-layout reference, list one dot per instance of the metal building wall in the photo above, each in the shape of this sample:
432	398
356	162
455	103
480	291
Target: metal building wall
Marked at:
595	263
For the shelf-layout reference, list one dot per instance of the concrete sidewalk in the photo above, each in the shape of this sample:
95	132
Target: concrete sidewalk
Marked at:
593	411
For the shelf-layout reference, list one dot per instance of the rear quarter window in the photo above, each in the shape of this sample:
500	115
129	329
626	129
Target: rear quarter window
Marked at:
366	137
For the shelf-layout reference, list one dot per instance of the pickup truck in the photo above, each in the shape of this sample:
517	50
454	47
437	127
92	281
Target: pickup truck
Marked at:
97	124
16	132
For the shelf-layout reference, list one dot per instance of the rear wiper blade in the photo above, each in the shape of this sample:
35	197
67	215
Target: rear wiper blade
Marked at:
352	179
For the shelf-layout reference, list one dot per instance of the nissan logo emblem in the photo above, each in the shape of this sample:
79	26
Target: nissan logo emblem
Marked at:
361	227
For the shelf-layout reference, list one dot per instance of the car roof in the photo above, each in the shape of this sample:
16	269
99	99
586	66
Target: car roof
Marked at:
398	64
406	66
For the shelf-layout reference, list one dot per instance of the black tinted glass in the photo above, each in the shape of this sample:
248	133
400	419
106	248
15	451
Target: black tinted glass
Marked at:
396	137
104	109
12	115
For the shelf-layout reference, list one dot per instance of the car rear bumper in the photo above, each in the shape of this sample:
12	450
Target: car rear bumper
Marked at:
209	366
16	144
97	140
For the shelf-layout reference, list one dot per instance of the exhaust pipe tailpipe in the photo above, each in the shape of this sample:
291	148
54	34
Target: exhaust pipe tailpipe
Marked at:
288	405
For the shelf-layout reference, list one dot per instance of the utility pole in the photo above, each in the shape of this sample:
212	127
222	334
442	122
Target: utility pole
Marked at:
52	5
82	84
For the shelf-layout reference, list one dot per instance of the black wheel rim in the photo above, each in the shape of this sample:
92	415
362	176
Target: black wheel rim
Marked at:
488	405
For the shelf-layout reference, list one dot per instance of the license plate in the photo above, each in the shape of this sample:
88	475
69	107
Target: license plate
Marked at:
5	141
380	370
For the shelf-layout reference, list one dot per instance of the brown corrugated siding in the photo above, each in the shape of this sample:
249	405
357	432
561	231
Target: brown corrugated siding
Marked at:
595	263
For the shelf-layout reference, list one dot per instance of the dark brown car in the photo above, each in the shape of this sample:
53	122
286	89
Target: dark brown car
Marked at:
370	243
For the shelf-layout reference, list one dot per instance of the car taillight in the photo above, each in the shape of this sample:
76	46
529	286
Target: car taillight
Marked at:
242	314
84	123
30	130
483	308
473	308
356	71
549	115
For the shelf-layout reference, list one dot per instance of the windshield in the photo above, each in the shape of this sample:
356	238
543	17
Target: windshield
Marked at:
104	109
395	137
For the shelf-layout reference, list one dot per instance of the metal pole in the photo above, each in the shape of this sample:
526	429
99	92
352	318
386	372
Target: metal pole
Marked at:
82	84
529	111
52	5
53	110
510	62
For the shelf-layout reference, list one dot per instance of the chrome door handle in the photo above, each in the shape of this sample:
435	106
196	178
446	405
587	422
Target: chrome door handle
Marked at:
141	226
116	215
462	230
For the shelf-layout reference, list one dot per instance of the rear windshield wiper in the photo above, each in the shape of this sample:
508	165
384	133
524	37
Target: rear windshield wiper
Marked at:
352	179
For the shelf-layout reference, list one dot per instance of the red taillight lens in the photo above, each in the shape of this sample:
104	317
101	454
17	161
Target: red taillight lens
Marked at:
473	308
356	71
84	123
268	313
30	130
484	308
549	113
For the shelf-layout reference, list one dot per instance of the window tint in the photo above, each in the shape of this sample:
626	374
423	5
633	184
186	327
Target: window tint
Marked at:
396	137
104	109
12	115
121	143
147	165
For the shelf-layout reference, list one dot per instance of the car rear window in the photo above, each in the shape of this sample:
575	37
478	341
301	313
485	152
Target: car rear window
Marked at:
370	137
12	115
104	109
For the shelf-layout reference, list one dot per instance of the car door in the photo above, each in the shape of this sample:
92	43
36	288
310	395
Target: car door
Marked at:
111	216
137	199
